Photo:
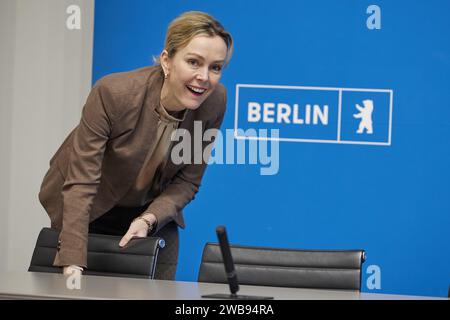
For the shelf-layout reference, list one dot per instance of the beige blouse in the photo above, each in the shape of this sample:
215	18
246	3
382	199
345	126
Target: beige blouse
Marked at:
148	180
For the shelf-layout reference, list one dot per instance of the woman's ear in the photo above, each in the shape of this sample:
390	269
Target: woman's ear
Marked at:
165	62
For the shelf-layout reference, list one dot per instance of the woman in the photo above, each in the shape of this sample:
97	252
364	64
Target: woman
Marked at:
113	174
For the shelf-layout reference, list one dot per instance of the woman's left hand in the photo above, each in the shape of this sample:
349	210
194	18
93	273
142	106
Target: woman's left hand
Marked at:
138	228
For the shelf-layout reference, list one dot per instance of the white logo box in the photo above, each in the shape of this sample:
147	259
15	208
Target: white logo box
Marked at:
340	91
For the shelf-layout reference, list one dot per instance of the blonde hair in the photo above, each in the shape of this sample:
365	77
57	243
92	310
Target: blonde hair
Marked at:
190	24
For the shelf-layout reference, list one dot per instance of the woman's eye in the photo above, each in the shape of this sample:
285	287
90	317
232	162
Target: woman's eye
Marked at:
217	68
193	62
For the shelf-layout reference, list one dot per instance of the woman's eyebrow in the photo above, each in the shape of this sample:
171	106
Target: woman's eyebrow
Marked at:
201	57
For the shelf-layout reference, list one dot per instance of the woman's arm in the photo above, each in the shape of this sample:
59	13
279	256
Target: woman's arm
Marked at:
83	175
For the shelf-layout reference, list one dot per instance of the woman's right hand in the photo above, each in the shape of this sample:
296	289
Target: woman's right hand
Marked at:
72	270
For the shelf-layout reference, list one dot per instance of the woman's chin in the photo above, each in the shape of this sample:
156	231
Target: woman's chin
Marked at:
192	105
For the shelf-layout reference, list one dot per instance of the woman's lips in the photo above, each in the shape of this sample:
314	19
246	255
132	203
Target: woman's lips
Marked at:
196	91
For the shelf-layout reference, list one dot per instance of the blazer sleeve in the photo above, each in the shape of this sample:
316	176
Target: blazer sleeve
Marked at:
186	183
83	175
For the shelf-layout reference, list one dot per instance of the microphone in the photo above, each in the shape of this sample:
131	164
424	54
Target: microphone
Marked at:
227	259
230	271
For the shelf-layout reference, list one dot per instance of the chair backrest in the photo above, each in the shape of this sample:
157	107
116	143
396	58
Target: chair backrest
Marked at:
325	269
104	256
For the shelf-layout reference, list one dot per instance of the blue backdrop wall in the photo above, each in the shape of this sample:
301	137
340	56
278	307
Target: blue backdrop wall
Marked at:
387	193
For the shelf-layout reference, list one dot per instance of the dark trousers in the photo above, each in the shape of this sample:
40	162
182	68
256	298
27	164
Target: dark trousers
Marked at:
117	221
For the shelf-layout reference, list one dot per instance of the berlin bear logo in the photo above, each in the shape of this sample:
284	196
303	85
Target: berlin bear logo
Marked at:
365	114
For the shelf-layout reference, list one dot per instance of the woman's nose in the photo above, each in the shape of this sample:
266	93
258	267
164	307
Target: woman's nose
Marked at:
203	74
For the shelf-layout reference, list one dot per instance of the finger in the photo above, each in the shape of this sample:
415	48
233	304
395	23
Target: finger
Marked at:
126	238
66	271
69	270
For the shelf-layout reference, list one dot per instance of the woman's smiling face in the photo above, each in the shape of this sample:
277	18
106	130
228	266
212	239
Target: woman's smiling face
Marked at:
193	72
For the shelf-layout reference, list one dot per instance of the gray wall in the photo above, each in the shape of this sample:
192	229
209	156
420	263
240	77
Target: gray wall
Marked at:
45	77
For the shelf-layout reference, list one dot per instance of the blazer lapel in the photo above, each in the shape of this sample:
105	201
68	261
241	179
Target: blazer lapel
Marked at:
139	142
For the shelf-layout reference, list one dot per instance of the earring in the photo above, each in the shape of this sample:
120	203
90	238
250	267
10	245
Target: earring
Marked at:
166	75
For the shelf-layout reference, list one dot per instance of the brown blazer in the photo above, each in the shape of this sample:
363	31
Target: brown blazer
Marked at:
100	159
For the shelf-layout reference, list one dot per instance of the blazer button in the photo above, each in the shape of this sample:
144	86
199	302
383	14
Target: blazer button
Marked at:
59	245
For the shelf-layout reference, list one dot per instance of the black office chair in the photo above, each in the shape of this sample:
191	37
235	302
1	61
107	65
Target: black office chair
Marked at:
104	257
325	269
